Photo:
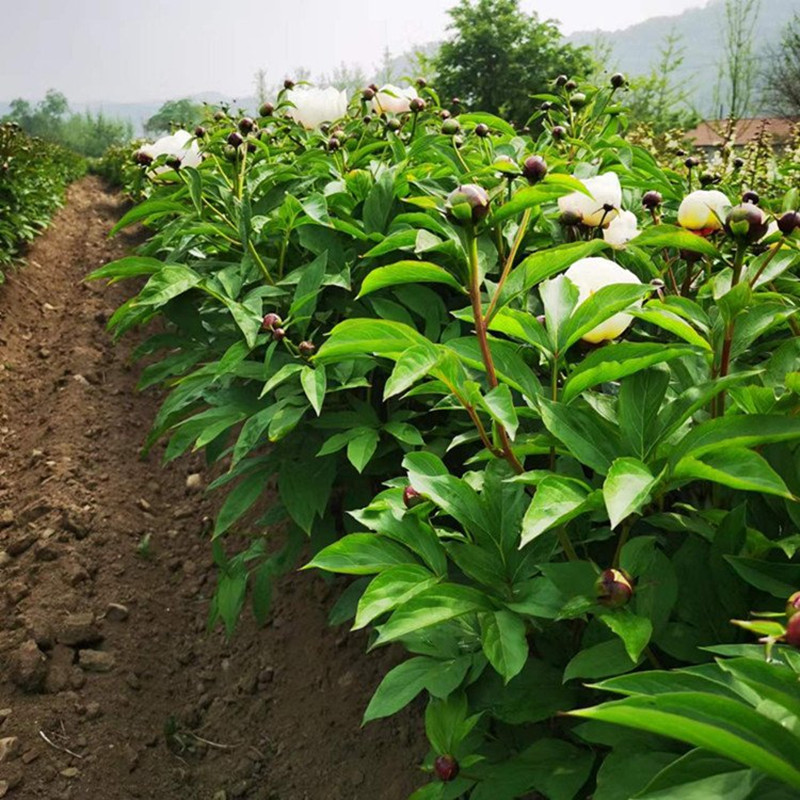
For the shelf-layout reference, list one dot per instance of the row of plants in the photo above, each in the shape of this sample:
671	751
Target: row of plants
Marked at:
34	175
533	391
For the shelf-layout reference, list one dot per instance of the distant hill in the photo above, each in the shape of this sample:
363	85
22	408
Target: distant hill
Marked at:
635	49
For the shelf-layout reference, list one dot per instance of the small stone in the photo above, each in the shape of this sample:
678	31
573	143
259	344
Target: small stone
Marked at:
6	518
93	710
5	559
96	660
116	612
194	482
29	756
133	681
9	748
143	504
69	772
4	787
79	629
29	667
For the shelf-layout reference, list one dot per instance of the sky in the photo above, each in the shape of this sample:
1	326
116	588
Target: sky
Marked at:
140	50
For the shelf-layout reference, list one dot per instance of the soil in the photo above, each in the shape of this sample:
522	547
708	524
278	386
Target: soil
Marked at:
110	685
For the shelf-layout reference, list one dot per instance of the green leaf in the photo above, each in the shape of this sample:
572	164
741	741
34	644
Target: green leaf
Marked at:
314	384
432	607
403	683
672	323
715	723
779	580
359	337
504	642
361	554
240	500
128	267
500	405
640	398
361	448
615	361
169	282
305	486
633	630
413	364
532	196
658	236
600	660
736	467
391	588
559	297
557	500
406	272
482	118
627	488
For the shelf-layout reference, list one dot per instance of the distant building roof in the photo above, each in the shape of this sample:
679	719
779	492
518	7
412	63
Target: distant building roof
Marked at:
711	132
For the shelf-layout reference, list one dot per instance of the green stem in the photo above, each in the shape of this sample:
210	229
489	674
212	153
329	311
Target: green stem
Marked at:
725	356
509	263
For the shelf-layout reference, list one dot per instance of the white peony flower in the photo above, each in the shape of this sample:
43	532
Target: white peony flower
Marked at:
179	144
703	210
622	229
393	99
592	274
605	191
314	106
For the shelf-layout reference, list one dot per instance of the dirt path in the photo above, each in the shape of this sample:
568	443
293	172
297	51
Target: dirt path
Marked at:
100	648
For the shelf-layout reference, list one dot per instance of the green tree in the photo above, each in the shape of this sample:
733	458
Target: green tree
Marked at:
781	79
174	112
498	56
658	99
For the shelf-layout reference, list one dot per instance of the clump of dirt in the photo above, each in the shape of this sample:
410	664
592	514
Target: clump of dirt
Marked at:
110	687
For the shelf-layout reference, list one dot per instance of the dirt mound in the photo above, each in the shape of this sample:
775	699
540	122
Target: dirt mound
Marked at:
110	687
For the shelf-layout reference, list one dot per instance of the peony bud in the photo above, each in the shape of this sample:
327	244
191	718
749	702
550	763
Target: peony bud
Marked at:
589	275
738	163
618	80
288	84
751	197
173	162
451	126
367	94
570	86
793	632
793	605
307	349
578	100
467	203
220	115
482	130
199	131
416	104
421	82
613	588
142	158
411	497
246	125
534	169
558	131
789	222
692	162
266	110
394	124
455	101
278	334
652	200
270	321
333	144
703	211
707	179
561	80
546	105
234	139
445	114
446	768
747	223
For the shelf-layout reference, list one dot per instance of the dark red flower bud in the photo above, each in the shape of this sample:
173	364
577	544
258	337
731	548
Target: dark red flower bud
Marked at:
445	114
561	80
278	334
793	632
746	222
374	87
618	80
333	144
738	163
692	162
235	138
578	100
789	222
220	115
142	158
534	169
456	101
751	197
270	321
307	349
651	199
467	203
173	161
446	768
199	131
707	179
421	82
367	119
246	124
416	105
411	497
546	106
393	124
482	130
613	588
288	84
368	93
451	126
266	110
570	86
793	605
558	131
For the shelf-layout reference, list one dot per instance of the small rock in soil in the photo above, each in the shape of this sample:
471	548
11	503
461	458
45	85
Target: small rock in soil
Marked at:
29	667
116	612
93	710
79	629
194	483
5	558
29	756
6	518
143	504
9	748
96	660
70	772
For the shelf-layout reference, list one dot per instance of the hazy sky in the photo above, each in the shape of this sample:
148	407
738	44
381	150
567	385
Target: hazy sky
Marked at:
132	50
